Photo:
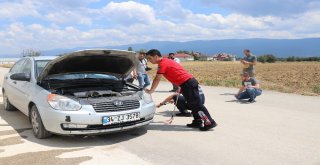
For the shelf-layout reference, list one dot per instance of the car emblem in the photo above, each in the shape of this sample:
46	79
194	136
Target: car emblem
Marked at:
117	103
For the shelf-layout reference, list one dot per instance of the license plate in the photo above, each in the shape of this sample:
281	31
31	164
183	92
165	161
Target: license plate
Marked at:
108	120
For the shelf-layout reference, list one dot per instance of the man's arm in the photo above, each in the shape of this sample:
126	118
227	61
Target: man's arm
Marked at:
155	84
168	99
242	88
135	74
257	86
252	63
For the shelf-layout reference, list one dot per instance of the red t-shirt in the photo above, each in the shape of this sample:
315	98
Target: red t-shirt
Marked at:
173	71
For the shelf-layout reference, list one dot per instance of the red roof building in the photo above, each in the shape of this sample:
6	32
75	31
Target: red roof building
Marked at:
181	56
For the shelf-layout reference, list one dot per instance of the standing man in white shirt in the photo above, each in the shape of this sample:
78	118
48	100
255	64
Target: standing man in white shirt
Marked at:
141	70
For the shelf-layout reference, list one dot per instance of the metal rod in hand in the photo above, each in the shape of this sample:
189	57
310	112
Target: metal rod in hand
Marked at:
175	105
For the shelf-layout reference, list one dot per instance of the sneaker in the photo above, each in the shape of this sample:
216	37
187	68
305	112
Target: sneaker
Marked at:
237	97
195	124
251	101
184	114
208	127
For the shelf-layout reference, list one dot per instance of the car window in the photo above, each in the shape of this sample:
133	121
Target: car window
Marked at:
84	76
40	64
26	68
17	67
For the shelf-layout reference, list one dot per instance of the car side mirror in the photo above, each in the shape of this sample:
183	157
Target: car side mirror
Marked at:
21	76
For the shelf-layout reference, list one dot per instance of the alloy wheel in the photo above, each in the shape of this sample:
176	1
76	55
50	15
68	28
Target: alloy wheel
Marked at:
34	121
5	102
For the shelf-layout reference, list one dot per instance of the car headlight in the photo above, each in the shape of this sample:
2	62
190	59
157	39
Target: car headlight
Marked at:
146	97
59	102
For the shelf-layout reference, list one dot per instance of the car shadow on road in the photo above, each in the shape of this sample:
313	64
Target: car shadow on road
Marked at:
21	126
167	113
163	126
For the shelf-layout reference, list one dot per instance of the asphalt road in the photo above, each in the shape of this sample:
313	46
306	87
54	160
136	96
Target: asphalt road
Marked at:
277	129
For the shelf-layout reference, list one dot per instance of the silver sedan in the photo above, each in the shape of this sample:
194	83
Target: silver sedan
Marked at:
83	92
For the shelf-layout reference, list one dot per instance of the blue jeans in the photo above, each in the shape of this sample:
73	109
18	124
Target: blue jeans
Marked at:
144	80
249	93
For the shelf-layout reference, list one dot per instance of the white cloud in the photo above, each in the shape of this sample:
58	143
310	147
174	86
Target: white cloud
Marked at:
133	22
11	11
171	10
68	17
128	13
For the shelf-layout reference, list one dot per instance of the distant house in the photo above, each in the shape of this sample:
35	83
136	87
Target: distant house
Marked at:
224	57
205	58
181	56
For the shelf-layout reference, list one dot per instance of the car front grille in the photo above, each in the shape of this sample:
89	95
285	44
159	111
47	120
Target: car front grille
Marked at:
111	107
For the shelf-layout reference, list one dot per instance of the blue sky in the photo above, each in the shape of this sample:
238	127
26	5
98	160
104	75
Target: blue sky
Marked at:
51	24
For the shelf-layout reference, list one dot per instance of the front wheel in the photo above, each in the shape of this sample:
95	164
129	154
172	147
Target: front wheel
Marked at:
37	126
6	103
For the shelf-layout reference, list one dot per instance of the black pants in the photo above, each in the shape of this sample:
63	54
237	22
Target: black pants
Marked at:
175	87
182	103
190	91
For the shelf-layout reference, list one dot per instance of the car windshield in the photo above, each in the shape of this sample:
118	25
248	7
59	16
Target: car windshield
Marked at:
83	76
40	66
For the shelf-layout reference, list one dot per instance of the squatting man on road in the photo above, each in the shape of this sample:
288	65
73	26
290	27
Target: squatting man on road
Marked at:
177	75
250	88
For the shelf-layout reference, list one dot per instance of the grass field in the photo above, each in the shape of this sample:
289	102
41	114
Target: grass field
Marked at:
290	77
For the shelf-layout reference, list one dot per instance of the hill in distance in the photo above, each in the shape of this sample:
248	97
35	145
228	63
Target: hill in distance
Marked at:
279	47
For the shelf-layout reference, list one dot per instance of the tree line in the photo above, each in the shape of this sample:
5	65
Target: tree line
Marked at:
269	58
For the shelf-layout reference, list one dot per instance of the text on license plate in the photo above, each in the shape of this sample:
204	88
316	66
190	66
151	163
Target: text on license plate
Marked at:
107	120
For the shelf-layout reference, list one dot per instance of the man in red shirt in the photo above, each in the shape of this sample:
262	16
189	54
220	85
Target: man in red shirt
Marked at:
177	75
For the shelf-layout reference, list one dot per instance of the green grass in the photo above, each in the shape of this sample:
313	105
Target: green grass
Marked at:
316	89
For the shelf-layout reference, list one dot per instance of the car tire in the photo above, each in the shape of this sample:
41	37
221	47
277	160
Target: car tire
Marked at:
37	126
6	103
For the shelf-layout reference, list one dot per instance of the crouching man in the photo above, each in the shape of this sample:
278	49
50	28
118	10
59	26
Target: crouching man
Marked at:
177	75
182	104
250	88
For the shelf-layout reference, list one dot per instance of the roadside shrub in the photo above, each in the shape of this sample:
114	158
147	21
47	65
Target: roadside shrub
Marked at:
316	89
267	58
232	82
213	82
227	59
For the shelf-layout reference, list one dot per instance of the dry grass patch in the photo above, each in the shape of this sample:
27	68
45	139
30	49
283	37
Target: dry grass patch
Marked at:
6	65
290	77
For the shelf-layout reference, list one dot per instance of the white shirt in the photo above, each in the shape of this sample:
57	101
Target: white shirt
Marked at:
177	60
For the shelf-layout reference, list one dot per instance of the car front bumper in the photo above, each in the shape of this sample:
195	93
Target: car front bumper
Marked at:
87	121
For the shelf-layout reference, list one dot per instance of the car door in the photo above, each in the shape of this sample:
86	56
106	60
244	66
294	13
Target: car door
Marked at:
9	85
23	88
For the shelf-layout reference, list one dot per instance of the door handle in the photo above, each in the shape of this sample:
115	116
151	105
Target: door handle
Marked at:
14	82
6	78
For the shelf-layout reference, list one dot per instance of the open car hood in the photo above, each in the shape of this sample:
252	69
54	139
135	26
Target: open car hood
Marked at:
113	62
